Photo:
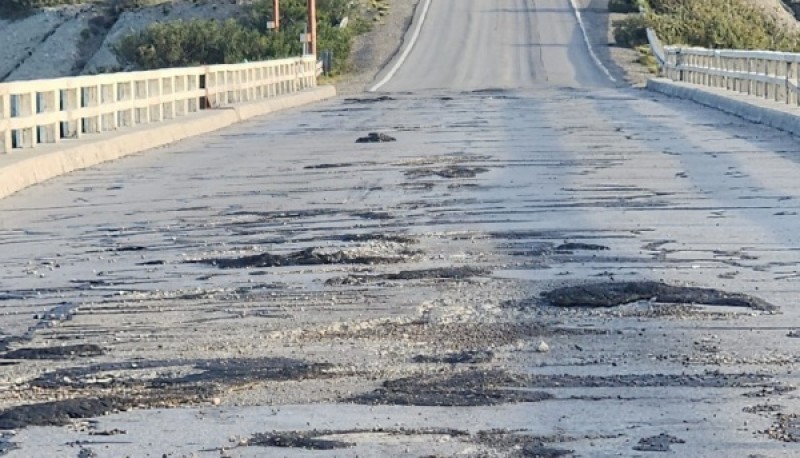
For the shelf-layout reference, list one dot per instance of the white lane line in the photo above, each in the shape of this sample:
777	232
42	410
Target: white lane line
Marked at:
588	43
408	49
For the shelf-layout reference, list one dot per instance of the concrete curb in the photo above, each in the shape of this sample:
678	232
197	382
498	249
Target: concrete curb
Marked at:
769	113
25	168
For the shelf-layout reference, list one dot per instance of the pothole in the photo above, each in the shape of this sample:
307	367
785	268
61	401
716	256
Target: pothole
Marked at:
310	257
451	171
64	352
611	294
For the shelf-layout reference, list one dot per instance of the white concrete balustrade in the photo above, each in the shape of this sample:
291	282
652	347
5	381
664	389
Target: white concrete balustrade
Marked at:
766	74
49	111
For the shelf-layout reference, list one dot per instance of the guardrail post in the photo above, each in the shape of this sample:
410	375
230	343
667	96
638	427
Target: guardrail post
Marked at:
142	115
154	99
126	92
27	108
5	115
91	99
50	102
168	106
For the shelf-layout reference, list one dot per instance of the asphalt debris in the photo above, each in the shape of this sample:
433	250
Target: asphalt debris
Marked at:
375	137
660	443
611	294
309	440
539	450
455	273
787	428
471	388
205	376
59	413
368	100
439	273
306	257
577	246
463	357
63	352
87	453
320	439
451	171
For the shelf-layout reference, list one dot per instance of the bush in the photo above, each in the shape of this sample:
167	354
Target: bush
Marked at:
19	8
623	6
198	42
719	24
631	31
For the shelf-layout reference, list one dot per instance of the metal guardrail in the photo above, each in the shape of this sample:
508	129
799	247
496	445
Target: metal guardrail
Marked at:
656	47
767	74
49	111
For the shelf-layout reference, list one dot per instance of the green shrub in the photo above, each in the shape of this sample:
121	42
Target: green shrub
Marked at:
623	6
18	8
198	42
733	24
631	31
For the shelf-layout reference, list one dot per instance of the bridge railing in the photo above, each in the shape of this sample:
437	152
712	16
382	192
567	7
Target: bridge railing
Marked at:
766	74
52	110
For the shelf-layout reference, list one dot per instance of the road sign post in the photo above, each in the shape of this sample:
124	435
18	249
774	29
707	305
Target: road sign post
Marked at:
312	26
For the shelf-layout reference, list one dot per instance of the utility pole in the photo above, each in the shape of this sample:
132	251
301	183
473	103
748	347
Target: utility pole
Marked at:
312	27
276	14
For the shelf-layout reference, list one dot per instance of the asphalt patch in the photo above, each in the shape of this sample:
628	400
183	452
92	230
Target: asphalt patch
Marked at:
660	443
463	357
309	440
439	273
455	273
375	137
230	371
787	429
395	238
315	440
611	294
543	451
59	413
709	379
576	246
307	257
451	171
337	165
374	215
369	100
473	388
67	351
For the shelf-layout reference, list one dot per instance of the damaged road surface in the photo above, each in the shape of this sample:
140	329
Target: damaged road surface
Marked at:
542	264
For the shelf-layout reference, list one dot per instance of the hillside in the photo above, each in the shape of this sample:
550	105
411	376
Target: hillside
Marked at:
77	39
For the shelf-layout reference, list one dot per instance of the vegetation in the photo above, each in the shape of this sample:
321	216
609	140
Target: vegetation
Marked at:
631	31
733	24
197	42
19	8
719	24
623	6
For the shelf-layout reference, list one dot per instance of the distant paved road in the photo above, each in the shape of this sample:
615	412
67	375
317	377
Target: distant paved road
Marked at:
478	44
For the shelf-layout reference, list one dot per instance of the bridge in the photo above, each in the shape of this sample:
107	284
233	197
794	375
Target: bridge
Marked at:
528	258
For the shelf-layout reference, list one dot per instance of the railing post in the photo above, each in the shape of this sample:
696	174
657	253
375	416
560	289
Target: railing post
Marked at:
50	103
27	108
5	116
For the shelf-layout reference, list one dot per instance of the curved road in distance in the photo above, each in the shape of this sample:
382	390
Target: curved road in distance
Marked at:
505	44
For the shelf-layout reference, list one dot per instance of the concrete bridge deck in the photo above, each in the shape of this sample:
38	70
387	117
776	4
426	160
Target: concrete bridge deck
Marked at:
384	298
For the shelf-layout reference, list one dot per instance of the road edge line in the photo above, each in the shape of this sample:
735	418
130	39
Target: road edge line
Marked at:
407	51
585	35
